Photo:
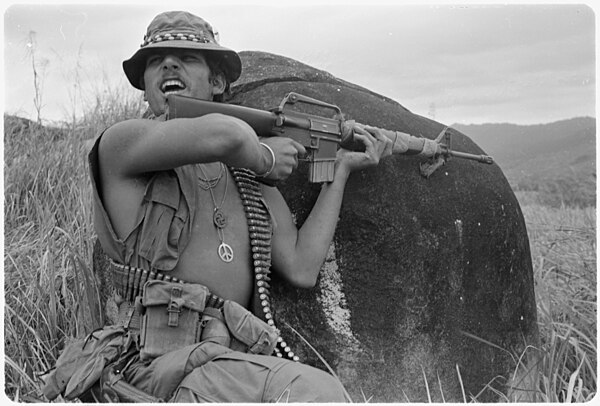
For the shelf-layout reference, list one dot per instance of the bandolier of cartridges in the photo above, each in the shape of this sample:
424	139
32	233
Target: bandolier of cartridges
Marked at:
129	281
260	228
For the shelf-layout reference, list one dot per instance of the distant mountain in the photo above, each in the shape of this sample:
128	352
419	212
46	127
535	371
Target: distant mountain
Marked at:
539	152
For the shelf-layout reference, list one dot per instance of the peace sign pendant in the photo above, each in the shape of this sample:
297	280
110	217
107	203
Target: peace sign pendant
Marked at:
225	252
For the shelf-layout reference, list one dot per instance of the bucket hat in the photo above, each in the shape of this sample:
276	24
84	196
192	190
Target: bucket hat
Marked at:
181	30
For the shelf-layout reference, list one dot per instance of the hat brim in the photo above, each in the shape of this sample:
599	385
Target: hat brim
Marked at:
229	60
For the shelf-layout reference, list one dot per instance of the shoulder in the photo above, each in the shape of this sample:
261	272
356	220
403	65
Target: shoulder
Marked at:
120	132
120	140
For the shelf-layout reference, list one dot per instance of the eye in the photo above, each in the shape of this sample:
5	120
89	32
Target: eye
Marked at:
153	60
190	58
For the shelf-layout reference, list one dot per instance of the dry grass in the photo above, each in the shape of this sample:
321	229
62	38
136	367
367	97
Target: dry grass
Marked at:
563	247
50	289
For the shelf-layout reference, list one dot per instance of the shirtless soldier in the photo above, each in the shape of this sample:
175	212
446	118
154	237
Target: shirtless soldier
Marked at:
167	200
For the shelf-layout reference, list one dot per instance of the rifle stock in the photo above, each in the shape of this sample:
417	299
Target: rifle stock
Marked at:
321	136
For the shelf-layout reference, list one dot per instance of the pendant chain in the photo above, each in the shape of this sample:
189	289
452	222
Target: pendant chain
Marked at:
209	183
219	219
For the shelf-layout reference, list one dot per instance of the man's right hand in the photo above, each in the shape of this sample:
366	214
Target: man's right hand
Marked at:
286	152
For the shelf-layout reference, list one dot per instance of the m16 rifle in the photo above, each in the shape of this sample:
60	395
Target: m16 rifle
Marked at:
320	136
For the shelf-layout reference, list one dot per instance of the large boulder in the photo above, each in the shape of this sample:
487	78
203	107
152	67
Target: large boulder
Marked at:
427	290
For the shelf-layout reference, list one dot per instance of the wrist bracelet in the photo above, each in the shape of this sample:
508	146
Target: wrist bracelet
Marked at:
267	173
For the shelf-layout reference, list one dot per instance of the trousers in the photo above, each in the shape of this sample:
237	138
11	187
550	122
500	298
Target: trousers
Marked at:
238	377
210	372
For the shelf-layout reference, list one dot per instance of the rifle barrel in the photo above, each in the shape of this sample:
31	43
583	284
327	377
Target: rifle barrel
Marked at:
486	159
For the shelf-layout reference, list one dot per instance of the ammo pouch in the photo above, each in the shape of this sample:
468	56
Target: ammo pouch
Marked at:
170	316
174	316
251	333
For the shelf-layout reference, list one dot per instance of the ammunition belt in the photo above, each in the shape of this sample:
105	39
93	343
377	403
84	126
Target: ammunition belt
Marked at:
260	229
129	282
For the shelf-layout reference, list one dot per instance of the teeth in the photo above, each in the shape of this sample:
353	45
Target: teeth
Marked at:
172	83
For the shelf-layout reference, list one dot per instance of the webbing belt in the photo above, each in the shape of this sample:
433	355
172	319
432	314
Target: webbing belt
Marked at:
129	282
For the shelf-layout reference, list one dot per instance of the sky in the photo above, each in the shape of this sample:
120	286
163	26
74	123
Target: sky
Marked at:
468	62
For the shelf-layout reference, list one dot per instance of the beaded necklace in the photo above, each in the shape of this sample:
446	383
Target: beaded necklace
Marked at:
209	183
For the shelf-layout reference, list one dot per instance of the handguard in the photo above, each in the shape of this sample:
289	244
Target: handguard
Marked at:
442	152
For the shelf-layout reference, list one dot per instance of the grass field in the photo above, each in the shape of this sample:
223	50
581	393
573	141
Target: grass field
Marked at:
563	250
49	287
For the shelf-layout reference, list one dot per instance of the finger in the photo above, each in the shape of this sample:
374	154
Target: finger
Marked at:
376	132
359	128
373	130
365	131
367	140
299	147
367	134
385	145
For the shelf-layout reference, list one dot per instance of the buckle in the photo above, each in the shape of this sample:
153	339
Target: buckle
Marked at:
174	307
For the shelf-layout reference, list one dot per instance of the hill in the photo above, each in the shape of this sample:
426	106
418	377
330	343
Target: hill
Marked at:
542	150
542	156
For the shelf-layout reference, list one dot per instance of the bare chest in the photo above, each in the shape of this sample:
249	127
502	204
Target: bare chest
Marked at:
218	253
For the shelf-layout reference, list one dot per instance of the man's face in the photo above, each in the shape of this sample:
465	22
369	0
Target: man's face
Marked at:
177	71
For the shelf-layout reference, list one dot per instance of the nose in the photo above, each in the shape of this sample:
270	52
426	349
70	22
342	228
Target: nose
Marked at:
171	62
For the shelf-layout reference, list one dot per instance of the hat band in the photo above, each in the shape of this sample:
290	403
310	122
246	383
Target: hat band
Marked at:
181	36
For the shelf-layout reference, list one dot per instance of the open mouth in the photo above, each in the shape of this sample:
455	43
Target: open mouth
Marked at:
172	86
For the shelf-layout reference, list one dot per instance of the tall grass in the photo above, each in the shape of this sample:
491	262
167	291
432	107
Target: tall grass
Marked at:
51	293
563	247
47	237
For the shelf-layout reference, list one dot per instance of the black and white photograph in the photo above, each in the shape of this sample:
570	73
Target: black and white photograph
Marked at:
304	202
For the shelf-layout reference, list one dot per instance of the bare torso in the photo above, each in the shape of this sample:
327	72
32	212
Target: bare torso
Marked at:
199	262
129	153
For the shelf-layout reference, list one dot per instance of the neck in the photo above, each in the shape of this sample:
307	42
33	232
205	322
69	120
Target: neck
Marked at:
211	169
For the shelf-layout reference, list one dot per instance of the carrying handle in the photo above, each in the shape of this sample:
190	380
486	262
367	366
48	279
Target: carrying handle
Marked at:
293	98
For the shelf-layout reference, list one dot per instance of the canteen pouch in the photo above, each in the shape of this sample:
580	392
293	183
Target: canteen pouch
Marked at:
256	336
170	316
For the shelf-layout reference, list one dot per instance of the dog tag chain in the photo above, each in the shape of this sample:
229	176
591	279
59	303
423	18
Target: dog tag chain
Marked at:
220	220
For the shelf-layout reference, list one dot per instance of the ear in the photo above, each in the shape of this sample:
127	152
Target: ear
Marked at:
218	83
